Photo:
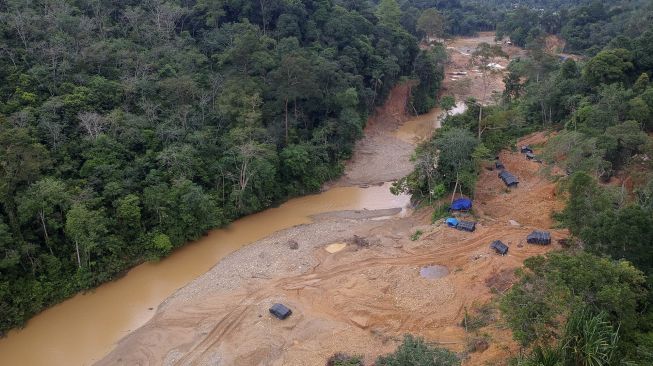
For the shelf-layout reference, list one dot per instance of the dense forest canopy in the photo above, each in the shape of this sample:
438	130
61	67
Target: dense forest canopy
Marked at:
130	127
586	26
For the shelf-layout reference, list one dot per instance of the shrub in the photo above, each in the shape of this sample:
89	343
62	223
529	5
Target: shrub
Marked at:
415	352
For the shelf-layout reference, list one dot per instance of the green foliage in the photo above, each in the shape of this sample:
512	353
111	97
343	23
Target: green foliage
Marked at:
429	70
388	12
128	128
431	23
447	103
416	235
552	288
341	359
415	352
161	245
609	66
440	212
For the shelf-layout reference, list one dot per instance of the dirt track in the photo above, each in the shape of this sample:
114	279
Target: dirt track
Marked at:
362	299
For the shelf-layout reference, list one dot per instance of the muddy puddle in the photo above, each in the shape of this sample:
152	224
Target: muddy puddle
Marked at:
81	330
433	272
419	128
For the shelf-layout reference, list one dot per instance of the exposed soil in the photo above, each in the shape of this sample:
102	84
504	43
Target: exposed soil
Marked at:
362	298
380	156
464	80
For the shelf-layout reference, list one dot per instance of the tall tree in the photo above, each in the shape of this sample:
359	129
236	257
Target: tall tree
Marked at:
389	13
483	58
431	23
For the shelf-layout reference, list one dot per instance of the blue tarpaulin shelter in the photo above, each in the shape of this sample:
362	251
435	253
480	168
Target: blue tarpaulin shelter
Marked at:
462	204
452	222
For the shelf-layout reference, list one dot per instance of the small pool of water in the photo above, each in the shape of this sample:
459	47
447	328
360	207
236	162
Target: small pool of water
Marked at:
433	272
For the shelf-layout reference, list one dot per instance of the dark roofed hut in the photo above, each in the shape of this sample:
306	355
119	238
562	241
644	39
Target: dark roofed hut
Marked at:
509	179
539	237
499	247
526	149
499	165
466	226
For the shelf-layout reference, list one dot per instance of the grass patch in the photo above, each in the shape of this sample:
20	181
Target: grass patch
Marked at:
440	212
416	235
479	318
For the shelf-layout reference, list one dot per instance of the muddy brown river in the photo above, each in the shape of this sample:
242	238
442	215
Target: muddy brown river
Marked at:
81	330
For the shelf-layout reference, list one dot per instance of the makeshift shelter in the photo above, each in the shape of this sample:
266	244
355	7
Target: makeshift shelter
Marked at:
280	311
466	226
499	247
509	179
461	204
452	222
499	165
539	237
526	149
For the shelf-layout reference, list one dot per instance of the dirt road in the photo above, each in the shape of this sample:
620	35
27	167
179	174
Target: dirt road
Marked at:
363	298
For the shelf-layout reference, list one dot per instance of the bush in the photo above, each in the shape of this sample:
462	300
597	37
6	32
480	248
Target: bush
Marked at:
343	359
416	235
415	352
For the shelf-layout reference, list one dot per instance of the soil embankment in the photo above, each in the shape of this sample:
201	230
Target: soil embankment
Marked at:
359	297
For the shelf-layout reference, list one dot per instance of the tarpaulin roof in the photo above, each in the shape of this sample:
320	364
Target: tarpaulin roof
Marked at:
466	226
499	247
539	237
461	204
280	311
452	222
508	178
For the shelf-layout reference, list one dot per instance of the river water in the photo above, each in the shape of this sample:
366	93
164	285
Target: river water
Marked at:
83	329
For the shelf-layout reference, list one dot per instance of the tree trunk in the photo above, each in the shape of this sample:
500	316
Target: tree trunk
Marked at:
45	231
454	189
79	260
286	110
480	117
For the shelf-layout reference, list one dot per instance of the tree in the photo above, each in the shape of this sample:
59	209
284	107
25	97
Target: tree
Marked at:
447	103
45	201
92	124
22	161
609	66
482	58
456	148
389	13
86	228
431	23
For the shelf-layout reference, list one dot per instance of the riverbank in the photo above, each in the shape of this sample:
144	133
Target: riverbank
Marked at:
362	298
83	329
359	300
